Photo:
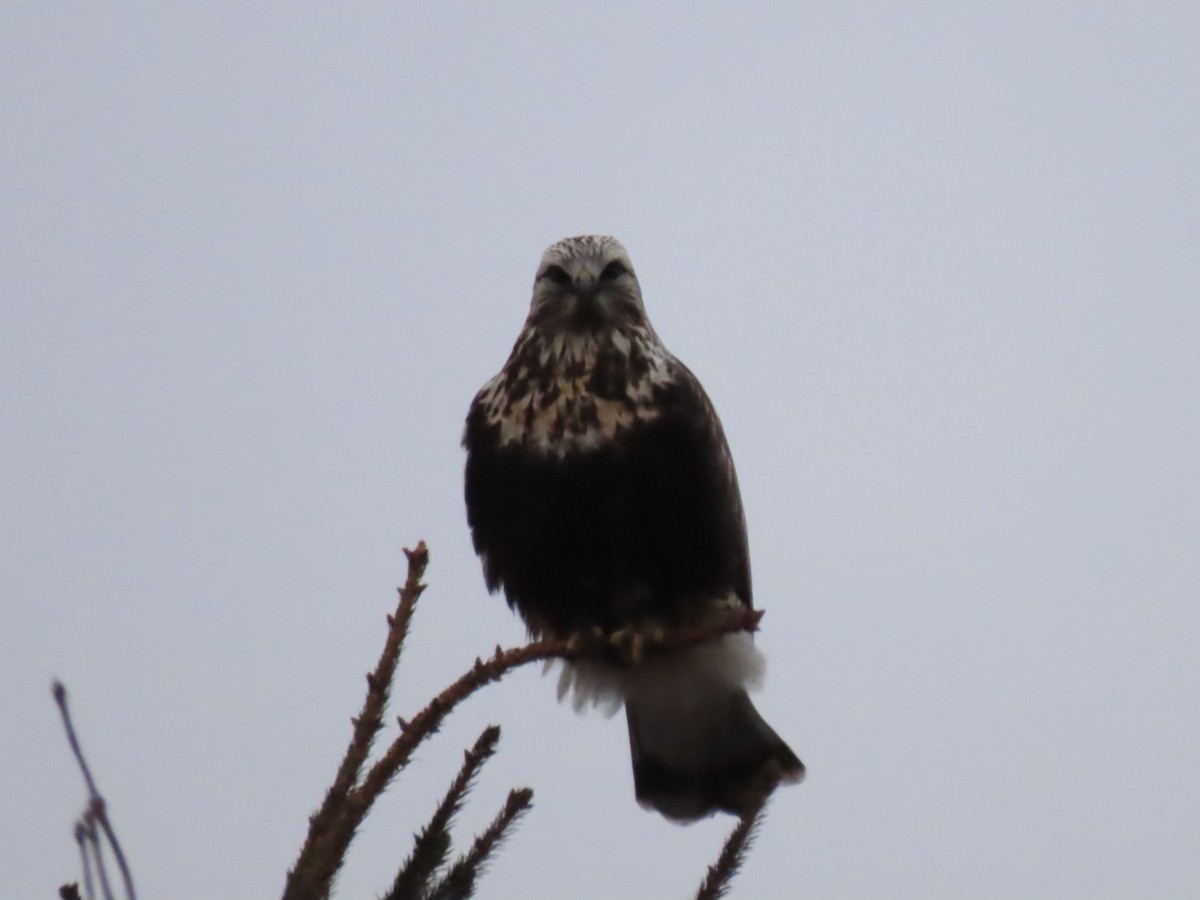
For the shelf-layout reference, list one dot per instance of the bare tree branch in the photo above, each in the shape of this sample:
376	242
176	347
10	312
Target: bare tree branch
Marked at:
96	853
85	859
97	812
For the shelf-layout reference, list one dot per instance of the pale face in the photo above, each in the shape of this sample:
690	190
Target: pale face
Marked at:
586	284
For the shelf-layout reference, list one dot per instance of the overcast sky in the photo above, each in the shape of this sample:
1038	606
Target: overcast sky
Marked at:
938	266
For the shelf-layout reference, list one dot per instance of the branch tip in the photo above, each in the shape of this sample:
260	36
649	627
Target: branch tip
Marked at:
418	555
733	854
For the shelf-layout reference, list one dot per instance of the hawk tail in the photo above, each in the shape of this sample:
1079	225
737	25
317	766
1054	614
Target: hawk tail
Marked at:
699	745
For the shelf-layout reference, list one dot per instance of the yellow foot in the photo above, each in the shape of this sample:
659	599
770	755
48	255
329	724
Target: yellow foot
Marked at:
628	645
588	641
633	641
628	642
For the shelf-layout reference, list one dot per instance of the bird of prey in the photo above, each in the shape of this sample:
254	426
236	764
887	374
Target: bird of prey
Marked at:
601	495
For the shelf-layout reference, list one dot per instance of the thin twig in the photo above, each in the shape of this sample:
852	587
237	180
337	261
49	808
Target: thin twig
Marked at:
97	809
459	882
733	854
96	852
85	860
432	846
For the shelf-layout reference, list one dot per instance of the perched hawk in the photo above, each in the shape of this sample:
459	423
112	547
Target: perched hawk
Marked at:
601	494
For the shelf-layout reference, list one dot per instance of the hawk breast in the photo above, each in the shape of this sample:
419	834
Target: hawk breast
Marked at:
600	492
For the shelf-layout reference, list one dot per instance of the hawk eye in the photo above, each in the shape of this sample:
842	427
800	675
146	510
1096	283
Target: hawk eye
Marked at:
613	270
558	275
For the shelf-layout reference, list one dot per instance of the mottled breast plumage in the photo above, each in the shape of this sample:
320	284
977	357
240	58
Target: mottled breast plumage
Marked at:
575	392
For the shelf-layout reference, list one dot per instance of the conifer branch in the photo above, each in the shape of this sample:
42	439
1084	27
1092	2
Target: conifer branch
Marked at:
720	874
431	847
429	719
334	827
329	832
459	882
356	787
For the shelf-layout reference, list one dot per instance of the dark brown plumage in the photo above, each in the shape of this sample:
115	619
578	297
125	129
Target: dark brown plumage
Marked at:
601	493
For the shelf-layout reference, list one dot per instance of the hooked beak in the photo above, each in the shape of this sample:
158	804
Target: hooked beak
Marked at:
586	283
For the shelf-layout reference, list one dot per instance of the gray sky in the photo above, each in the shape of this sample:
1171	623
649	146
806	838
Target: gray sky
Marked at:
938	267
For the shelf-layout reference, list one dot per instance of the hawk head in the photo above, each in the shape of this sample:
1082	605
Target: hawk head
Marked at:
586	284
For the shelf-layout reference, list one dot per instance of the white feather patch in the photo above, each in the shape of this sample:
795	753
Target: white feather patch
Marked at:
689	677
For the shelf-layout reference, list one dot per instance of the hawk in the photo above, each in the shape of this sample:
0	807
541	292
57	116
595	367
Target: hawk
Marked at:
601	494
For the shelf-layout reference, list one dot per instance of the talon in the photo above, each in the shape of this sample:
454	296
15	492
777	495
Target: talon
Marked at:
628	642
635	647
